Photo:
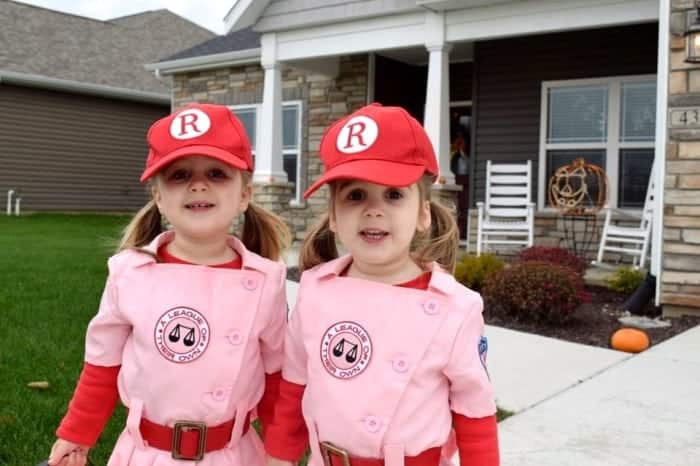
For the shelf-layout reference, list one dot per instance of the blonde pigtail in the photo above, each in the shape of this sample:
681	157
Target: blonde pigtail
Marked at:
318	246
265	233
143	228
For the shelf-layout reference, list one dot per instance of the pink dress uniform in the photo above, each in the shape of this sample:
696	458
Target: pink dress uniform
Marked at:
384	366
194	343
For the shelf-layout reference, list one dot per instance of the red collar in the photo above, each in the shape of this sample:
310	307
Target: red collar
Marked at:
168	258
421	282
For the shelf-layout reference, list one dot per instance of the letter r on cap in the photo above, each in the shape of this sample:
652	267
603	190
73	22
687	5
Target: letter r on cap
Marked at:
351	133
184	123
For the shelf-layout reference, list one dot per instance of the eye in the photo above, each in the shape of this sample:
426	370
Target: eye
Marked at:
179	175
355	195
394	194
217	174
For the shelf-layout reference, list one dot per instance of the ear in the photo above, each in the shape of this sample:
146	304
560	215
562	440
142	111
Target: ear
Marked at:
246	197
155	193
332	223
424	219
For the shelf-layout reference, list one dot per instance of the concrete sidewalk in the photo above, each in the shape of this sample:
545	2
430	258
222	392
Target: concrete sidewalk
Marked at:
527	369
642	411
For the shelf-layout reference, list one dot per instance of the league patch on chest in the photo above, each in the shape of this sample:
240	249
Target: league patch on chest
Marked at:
346	350
182	335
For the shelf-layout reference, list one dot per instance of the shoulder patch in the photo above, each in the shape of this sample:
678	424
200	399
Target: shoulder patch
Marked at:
483	351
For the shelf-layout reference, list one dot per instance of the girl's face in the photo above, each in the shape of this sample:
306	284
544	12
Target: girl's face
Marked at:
201	196
376	223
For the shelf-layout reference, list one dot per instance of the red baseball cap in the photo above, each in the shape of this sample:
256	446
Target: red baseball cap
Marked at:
382	145
198	129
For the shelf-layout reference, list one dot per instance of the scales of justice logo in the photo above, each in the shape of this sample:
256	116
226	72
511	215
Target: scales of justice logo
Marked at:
182	335
346	349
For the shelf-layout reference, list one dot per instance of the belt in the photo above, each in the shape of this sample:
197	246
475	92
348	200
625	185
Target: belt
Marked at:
189	440
336	456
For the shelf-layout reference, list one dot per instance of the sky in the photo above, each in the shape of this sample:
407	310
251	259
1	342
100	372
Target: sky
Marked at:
207	13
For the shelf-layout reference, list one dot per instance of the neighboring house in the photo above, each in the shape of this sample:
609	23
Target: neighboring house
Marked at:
76	102
498	71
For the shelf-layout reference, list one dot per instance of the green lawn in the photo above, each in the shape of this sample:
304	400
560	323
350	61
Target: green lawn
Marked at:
52	272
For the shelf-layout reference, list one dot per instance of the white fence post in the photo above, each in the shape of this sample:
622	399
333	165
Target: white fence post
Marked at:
10	193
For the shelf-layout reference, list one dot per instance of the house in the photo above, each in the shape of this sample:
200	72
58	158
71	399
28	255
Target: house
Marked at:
76	103
539	80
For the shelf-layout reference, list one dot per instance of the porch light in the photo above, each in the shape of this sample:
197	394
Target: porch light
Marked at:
692	41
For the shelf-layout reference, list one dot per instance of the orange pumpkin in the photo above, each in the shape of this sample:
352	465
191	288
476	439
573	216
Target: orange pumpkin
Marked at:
630	340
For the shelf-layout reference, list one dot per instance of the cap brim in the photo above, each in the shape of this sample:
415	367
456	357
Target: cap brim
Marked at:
374	171
207	151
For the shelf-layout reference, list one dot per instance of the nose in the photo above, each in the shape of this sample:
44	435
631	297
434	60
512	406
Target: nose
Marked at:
374	208
198	183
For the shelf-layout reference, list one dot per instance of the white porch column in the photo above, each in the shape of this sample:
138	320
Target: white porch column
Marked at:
437	99
268	156
661	139
437	107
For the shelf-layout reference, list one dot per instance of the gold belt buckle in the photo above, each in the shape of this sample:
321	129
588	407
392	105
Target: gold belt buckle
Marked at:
189	426
328	450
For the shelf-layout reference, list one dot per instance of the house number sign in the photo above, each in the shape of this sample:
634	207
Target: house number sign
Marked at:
685	117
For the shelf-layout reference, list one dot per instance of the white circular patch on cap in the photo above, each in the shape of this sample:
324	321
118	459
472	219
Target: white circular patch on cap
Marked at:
356	135
189	124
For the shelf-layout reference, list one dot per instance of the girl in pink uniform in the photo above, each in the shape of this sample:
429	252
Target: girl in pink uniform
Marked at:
190	326
384	354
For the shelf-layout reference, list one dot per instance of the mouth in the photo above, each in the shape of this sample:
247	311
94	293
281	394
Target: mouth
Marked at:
373	235
199	206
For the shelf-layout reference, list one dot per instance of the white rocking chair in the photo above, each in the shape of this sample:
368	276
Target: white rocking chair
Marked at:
507	215
628	240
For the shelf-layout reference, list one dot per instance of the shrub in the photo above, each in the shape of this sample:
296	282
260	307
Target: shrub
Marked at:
534	291
557	256
471	271
625	280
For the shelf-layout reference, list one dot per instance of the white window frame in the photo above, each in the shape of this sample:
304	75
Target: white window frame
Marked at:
298	199
612	146
256	107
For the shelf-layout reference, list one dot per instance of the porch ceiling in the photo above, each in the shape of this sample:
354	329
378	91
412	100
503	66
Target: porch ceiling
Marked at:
461	51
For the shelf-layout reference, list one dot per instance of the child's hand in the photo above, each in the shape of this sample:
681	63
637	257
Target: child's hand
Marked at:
278	462
65	453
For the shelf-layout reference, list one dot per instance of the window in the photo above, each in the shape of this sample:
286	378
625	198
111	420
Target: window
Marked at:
291	138
247	117
291	133
608	122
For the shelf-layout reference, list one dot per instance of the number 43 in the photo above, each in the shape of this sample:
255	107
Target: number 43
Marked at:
690	117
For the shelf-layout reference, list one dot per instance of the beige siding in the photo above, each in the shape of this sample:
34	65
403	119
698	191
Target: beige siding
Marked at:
67	152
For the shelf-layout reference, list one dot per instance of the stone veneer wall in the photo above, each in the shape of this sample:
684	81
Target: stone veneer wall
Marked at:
681	247
324	100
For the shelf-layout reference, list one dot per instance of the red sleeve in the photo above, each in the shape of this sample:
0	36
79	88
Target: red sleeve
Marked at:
477	440
287	436
93	402
266	406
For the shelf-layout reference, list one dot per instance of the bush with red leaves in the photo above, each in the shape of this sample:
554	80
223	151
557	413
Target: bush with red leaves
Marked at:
557	256
534	291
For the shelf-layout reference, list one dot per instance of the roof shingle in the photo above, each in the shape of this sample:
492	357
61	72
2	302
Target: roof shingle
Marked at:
48	43
244	39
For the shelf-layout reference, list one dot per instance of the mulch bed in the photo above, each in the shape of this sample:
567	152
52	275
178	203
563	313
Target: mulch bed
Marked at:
591	324
595	321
